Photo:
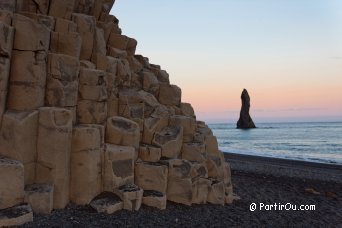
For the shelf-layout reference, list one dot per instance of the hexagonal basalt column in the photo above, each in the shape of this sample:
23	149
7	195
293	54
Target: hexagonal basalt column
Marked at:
170	141
118	166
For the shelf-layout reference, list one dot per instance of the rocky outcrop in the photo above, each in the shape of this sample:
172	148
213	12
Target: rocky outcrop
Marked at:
81	114
245	121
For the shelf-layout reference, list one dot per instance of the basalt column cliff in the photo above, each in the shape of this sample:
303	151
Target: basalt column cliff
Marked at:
83	119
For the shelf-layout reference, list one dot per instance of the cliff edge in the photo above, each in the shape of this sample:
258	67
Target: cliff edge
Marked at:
85	119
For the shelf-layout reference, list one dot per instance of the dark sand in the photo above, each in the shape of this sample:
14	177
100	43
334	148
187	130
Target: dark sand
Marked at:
251	187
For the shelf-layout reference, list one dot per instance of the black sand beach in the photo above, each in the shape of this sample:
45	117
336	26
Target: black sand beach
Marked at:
251	187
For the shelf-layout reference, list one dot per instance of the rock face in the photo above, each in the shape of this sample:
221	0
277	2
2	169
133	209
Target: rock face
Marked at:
83	118
245	121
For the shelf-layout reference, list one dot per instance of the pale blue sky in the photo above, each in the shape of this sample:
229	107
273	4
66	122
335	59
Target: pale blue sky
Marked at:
219	47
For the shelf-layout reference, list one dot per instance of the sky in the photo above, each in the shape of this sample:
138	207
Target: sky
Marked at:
287	54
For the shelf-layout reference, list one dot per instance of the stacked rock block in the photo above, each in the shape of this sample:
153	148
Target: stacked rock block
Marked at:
84	119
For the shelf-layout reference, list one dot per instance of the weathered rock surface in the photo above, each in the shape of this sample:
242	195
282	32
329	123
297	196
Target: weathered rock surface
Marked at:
12	183
85	119
118	166
131	196
107	202
245	121
40	197
18	140
53	152
16	216
154	199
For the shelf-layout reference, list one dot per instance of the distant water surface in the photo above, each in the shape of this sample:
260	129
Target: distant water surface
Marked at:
316	142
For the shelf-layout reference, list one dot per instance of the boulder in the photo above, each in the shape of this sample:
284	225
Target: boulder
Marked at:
39	197
122	131
154	199
53	148
11	183
151	176
118	166
107	202
245	121
62	81
16	216
18	139
170	141
131	196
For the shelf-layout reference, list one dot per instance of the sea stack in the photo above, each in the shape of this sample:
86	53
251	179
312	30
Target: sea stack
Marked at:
245	121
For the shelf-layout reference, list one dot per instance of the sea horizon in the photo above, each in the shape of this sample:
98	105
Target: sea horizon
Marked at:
319	142
275	122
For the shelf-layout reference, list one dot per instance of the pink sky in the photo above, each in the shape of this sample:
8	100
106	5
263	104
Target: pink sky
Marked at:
287	54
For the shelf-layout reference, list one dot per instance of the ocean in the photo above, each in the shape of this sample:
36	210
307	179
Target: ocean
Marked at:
316	142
